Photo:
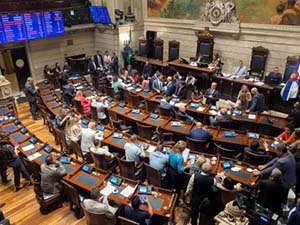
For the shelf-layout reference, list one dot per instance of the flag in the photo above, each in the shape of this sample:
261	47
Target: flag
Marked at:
129	51
290	89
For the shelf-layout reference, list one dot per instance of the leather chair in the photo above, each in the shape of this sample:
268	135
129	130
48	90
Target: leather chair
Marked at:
255	159
94	113
146	132
111	92
124	221
291	62
47	202
77	150
225	152
227	195
173	50
112	115
73	197
158	49
153	175
164	112
197	145
150	106
225	124
126	96
33	169
78	106
165	138
178	116
43	114
136	102
97	219
129	170
101	162
118	124
258	61
64	147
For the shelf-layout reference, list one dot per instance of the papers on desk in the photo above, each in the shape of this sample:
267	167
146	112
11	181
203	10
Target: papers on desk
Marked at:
34	156
79	87
138	89
213	112
226	74
251	116
259	83
236	168
127	191
180	104
107	190
200	108
151	149
28	147
185	154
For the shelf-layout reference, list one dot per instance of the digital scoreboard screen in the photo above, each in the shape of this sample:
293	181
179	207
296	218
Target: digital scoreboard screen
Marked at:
100	14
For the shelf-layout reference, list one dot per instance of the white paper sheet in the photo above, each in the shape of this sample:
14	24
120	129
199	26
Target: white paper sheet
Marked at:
127	191
107	190
185	154
151	149
34	156
28	147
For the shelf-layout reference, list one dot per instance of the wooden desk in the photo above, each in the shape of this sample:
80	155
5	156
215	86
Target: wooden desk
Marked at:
139	61
183	129
240	139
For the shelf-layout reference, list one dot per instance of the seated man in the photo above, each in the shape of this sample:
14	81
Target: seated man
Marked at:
182	112
274	78
285	162
257	103
273	192
133	152
102	151
241	70
181	92
212	95
96	205
294	116
51	173
198	133
159	160
165	103
136	214
223	115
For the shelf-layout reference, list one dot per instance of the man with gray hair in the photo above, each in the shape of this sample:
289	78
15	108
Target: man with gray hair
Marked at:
200	187
285	162
257	103
273	192
133	152
32	97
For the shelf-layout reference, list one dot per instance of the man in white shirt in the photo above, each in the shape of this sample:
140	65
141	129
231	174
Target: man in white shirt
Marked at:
107	60
99	103
133	152
241	70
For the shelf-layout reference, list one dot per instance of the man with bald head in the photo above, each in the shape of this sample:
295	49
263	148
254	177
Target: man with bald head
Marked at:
87	137
200	187
198	133
212	95
257	103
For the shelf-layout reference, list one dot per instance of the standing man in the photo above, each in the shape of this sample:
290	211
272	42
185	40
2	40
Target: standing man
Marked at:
92	67
98	60
170	87
32	97
257	103
212	95
107	60
158	84
115	63
147	69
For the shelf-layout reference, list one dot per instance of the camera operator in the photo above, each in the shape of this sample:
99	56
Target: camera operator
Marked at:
272	192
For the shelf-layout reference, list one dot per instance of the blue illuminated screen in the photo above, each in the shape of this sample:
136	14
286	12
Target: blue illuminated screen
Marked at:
29	26
100	14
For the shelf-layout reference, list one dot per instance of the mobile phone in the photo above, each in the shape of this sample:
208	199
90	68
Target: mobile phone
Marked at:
104	200
143	199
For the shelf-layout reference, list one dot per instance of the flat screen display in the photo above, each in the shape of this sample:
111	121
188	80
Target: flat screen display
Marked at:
34	23
30	26
14	27
100	14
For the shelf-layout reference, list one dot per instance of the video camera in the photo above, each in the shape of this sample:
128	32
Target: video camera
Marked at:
257	214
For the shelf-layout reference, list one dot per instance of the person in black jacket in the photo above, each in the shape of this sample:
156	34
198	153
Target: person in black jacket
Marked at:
294	215
181	92
9	158
32	97
273	192
294	115
257	103
212	95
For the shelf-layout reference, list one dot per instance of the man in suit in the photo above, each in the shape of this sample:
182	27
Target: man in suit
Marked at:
158	84
32	97
51	173
222	115
98	60
170	87
200	187
212	95
285	161
92	67
241	70
115	63
147	69
198	133
181	92
257	103
274	78
272	192
294	115
96	205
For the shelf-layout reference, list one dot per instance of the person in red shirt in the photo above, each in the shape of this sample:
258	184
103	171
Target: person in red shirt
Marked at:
286	136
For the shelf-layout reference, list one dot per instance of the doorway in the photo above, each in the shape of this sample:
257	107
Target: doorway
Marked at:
15	67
